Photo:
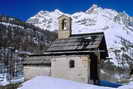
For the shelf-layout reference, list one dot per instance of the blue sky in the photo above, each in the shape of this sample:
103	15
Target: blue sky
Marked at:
23	9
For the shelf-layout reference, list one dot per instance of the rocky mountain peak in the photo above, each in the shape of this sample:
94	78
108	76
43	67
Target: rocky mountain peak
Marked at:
93	7
58	11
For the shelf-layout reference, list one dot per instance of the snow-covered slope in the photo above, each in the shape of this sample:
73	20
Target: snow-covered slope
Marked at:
117	26
42	82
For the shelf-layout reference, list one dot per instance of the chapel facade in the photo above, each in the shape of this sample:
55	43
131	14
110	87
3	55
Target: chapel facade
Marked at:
76	57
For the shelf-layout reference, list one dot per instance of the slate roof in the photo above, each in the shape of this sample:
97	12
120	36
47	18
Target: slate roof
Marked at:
77	43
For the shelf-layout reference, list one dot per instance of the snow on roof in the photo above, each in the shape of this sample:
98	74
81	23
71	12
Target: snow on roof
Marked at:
43	82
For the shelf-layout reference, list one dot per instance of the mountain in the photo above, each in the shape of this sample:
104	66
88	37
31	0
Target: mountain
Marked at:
23	36
117	27
46	20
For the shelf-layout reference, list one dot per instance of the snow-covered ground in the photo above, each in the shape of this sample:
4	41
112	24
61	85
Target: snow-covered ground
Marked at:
43	82
128	86
4	81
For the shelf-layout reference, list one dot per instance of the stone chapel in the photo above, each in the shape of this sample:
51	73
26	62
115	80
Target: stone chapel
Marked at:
76	57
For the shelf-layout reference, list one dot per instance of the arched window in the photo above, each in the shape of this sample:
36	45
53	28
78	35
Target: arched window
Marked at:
64	24
71	63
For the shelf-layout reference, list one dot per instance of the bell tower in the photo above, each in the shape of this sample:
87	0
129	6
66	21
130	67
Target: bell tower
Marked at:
64	27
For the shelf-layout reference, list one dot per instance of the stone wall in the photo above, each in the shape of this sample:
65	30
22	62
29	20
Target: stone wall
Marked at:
81	72
34	70
63	34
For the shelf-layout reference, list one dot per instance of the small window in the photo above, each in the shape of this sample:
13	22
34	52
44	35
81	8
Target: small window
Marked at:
71	64
64	24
